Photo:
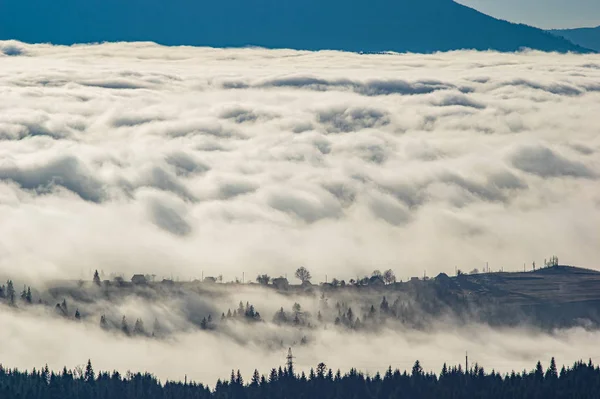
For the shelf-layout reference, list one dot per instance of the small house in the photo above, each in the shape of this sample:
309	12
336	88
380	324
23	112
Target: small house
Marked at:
281	283
376	281
139	279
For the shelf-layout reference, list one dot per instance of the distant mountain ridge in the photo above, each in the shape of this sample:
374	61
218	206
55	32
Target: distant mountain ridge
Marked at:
421	26
585	37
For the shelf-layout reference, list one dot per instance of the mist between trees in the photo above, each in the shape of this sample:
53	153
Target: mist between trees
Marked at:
367	323
147	308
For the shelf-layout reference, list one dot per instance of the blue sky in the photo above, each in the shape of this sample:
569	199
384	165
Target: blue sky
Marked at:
542	13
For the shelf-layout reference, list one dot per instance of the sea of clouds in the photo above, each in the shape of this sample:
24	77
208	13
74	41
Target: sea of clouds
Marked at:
136	158
132	157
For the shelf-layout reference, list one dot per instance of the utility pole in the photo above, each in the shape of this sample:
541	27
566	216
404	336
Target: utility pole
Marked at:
290	362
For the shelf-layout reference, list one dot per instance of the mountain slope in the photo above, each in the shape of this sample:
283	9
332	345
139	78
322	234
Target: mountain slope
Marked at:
586	37
362	25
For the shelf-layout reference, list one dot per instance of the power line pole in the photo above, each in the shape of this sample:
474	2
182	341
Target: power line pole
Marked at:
290	362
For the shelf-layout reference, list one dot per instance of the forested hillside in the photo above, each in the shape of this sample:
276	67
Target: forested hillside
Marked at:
284	314
422	26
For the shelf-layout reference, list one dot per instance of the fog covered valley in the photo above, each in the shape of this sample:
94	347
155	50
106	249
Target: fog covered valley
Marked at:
188	162
318	321
293	314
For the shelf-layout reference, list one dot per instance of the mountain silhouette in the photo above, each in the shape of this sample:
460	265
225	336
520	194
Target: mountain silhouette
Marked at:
586	37
422	26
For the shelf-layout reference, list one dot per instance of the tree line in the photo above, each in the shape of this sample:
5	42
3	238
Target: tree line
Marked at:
582	380
302	274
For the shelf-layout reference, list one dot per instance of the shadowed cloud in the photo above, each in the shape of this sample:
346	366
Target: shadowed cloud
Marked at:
544	162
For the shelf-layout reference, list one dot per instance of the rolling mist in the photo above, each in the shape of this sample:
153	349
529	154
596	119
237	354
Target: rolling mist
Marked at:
179	347
189	162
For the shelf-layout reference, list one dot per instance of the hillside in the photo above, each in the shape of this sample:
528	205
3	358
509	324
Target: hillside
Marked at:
555	285
549	298
586	37
371	26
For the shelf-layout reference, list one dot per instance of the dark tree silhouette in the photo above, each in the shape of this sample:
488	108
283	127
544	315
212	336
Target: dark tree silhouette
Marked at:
10	292
579	381
321	369
96	278
263	279
138	328
303	275
103	322
124	326
389	277
89	372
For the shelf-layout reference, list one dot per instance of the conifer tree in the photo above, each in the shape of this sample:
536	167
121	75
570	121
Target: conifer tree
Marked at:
96	278
124	326
138	328
552	372
103	322
10	292
255	379
89	372
272	376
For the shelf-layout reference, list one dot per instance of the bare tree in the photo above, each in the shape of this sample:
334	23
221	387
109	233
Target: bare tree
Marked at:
303	275
376	273
389	277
